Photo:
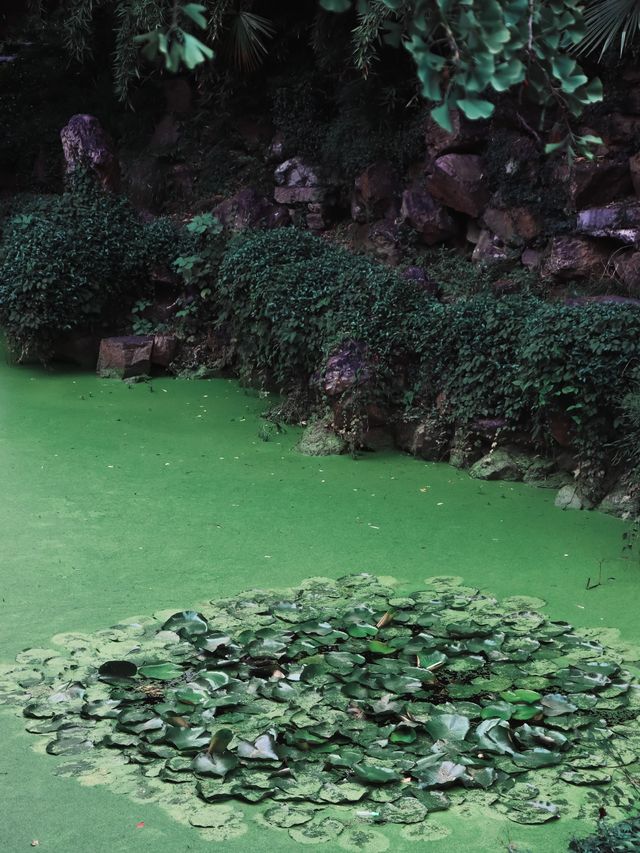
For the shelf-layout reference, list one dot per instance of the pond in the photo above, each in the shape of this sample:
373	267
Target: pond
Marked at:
126	499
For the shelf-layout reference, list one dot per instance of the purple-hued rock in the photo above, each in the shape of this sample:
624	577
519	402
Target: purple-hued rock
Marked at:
125	357
458	181
575	257
619	221
346	368
86	145
249	209
427	216
375	193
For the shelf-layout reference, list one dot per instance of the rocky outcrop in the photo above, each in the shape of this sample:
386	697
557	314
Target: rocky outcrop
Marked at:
619	221
249	209
427	439
598	181
571	497
86	145
458	181
297	182
346	369
125	357
575	257
622	501
514	224
465	135
165	348
427	216
376	193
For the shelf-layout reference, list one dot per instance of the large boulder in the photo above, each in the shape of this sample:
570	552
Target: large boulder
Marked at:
249	209
622	501
465	135
572	497
428	439
375	193
513	224
627	267
297	182
499	464
125	357
575	257
86	145
165	348
458	181
598	181
427	216
346	369
619	221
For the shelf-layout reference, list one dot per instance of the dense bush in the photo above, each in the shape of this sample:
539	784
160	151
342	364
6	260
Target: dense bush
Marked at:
611	838
288	298
72	261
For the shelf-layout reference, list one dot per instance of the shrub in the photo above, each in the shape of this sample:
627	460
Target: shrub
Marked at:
287	298
611	838
74	261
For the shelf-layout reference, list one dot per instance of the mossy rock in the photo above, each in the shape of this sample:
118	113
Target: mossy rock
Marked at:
318	439
571	497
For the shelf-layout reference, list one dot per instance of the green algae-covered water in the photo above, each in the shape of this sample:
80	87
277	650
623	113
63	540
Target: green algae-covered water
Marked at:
121	500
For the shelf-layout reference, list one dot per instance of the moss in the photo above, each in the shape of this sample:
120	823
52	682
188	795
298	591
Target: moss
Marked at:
319	440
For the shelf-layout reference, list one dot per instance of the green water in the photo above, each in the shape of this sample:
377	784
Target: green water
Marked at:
121	500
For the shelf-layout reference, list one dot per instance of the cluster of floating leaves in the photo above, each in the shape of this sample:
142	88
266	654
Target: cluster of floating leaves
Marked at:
340	704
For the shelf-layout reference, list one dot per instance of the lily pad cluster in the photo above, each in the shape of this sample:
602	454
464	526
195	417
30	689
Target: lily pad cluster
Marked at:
342	703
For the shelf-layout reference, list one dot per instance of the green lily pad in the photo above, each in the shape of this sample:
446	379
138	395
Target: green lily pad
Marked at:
162	671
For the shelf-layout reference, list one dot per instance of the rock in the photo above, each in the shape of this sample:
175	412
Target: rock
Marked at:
249	209
621	129
544	476
426	439
86	145
466	448
164	350
570	497
298	195
255	134
575	257
125	357
376	192
634	169
466	135
427	216
296	173
628	271
602	299
532	259
458	181
144	182
278	148
318	439
598	181
500	464
622	501
619	221
346	368
383	242
491	250
376	438
512	224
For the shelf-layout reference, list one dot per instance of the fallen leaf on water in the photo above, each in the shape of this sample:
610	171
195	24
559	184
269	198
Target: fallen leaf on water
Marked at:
140	824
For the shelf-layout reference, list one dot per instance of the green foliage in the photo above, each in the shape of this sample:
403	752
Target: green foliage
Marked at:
288	298
176	46
340	702
72	262
199	270
623	837
608	22
465	55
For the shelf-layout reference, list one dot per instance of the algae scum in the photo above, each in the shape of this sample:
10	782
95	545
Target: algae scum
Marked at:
339	706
